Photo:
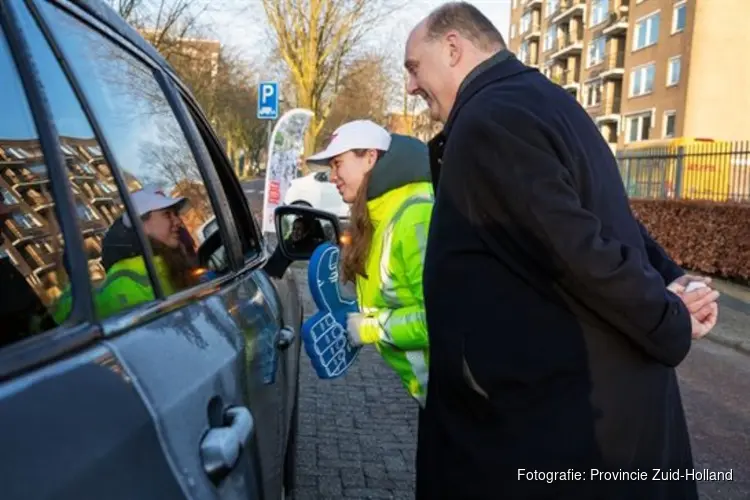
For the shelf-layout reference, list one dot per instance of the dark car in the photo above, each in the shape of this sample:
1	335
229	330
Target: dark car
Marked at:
129	368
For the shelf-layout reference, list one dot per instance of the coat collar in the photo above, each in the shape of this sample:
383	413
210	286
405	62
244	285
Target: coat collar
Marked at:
507	67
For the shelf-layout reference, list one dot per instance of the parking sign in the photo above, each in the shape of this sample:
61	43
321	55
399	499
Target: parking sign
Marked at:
268	100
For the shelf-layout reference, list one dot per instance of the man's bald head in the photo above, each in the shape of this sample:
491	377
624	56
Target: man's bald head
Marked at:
467	21
444	48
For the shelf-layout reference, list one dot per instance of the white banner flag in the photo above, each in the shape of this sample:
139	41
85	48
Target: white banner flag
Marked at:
286	146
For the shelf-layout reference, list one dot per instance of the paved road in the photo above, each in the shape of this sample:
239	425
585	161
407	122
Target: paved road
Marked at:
254	192
358	433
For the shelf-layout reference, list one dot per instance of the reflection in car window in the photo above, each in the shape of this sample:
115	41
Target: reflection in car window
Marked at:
98	205
32	274
166	186
242	218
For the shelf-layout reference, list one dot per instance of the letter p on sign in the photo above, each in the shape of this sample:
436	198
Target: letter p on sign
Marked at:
268	100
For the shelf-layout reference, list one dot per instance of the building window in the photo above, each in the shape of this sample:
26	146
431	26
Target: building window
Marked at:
552	6
646	31
525	22
642	80
673	70
670	119
678	17
26	220
597	47
593	93
85	213
512	30
637	127
523	52
8	198
599	11
549	37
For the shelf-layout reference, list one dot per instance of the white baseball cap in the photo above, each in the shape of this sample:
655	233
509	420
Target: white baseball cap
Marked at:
149	199
358	134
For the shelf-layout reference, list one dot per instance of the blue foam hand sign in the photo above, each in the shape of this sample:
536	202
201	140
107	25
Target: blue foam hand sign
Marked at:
324	333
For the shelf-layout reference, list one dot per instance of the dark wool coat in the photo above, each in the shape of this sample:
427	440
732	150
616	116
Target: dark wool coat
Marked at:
553	340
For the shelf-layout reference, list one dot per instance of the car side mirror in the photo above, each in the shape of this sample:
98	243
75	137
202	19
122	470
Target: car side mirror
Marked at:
300	230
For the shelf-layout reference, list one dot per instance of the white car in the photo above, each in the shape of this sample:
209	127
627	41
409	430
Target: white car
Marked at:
205	230
316	190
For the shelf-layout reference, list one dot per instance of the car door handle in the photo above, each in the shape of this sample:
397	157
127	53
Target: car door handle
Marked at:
284	338
221	447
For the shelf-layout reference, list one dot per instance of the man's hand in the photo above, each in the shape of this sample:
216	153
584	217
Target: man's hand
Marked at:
701	328
701	302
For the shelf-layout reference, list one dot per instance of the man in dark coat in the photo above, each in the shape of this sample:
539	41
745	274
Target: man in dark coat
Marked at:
553	336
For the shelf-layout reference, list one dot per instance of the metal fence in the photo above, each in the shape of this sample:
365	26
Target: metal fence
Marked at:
710	171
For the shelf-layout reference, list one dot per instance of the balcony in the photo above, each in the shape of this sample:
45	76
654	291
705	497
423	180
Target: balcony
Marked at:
532	4
568	9
609	111
566	46
533	31
31	176
617	25
37	200
567	79
21	233
614	66
39	257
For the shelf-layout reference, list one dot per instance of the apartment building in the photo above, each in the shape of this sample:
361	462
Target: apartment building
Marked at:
645	70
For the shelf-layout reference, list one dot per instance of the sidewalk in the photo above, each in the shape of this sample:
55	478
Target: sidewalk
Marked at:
733	327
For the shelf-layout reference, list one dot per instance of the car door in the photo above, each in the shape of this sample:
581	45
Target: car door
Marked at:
273	388
75	424
189	353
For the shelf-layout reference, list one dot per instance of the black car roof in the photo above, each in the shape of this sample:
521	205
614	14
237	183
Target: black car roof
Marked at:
107	16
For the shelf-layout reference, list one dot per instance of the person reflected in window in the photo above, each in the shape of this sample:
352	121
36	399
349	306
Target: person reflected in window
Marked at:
127	282
307	234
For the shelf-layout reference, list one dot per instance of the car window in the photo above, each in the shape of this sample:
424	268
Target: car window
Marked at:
32	272
148	145
98	204
243	218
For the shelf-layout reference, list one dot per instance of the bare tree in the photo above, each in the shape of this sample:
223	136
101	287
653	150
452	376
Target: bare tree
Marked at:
163	22
315	38
364	92
218	79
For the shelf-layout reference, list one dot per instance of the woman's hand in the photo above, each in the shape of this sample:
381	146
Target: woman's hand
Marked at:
353	324
361	330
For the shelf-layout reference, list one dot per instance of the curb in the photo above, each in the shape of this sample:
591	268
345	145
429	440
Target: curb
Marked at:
742	346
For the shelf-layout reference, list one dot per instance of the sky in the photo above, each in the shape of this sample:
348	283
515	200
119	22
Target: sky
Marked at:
245	31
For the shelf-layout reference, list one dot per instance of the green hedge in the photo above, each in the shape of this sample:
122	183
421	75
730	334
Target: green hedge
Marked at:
709	238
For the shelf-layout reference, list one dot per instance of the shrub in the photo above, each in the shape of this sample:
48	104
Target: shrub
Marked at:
710	238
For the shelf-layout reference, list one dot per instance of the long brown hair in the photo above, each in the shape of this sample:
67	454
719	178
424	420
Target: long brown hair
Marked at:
179	267
361	230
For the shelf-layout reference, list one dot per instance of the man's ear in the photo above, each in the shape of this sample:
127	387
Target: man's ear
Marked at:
455	48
